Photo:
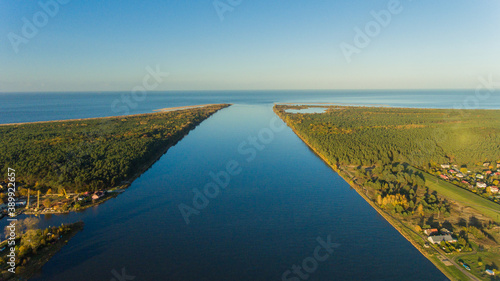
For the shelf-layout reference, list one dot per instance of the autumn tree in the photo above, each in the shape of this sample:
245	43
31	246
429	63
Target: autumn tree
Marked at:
420	210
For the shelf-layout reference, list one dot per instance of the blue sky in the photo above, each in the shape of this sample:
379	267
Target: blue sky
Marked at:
280	44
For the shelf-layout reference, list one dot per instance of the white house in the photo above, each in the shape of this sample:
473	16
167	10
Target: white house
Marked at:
439	238
490	272
481	185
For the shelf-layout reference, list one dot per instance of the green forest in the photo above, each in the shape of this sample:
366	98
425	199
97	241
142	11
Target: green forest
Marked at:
92	154
379	135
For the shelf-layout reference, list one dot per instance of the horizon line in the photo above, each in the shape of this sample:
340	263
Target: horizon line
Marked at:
243	90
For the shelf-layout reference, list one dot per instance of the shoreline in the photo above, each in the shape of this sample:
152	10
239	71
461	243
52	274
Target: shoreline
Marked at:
168	109
331	103
25	272
313	104
155	111
393	222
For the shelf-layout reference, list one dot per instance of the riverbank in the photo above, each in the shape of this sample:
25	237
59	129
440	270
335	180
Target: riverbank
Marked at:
36	262
405	231
93	204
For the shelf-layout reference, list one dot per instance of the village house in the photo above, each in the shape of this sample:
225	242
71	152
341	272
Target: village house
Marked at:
486	164
481	185
489	272
431	231
494	189
445	166
479	176
440	238
97	195
444	177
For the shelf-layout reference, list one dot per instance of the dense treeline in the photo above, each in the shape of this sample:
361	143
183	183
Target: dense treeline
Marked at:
91	154
377	135
402	190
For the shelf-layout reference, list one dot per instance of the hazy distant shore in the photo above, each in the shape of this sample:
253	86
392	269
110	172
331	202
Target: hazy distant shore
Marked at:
167	109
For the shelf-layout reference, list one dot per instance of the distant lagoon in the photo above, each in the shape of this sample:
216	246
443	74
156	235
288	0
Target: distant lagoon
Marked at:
307	110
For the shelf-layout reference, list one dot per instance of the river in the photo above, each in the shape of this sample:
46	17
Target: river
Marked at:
281	205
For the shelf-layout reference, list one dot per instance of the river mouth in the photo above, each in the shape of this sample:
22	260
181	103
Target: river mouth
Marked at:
267	217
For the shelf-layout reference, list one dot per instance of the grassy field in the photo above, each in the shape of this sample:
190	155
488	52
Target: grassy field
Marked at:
479	262
467	198
455	273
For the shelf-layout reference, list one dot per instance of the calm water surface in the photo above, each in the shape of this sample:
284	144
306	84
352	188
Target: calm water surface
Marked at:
27	107
265	221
